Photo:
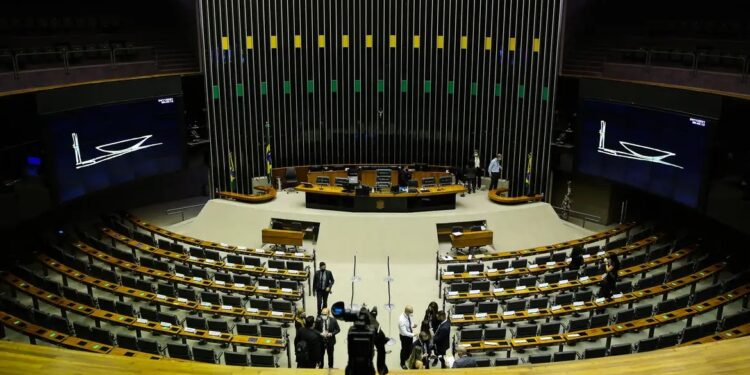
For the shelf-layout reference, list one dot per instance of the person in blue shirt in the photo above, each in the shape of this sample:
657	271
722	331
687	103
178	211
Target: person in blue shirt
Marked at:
494	169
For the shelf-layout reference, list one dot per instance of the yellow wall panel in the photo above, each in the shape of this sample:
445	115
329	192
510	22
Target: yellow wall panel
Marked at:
439	42
392	41
249	42
345	41
298	41
274	42
321	41
368	41
224	43
416	41
537	45
512	44
488	43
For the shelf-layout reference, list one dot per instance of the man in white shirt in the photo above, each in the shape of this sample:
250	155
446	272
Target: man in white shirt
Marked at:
406	333
495	168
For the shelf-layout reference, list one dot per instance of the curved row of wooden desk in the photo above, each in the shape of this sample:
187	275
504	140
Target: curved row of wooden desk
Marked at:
268	193
603	235
497	197
142	324
167	301
586	306
240	250
729	353
534	269
545	288
652	322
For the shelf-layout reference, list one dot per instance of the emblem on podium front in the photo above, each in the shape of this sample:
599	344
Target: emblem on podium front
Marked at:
380	204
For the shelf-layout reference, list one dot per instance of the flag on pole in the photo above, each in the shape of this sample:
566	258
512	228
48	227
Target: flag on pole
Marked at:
232	173
269	163
527	181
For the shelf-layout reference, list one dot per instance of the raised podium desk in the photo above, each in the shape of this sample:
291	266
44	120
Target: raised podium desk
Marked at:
335	198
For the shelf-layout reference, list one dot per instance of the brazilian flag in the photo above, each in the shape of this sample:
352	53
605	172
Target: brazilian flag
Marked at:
269	164
527	180
232	173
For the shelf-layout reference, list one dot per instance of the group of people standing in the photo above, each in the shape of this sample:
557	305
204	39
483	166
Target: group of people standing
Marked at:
424	342
316	337
472	172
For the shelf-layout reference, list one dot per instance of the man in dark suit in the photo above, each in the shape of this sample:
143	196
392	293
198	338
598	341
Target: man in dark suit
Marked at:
442	337
322	284
308	354
329	328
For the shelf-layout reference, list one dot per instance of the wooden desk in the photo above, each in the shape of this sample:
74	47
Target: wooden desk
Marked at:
241	250
268	193
335	198
282	237
471	239
495	196
537	250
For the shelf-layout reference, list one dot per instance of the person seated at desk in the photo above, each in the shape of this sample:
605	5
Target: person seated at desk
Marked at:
404	175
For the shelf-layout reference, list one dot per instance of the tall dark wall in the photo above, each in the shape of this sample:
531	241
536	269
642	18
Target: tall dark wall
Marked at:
380	81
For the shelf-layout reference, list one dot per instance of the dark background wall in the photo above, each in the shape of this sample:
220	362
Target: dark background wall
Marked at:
348	82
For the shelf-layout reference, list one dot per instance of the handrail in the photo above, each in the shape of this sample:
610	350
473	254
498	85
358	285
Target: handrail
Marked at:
181	210
695	57
583	215
66	55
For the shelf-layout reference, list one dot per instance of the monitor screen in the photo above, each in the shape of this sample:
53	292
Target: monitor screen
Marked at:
102	146
657	151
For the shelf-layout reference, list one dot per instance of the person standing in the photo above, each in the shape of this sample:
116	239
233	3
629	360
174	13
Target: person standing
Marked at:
495	168
430	321
470	177
308	345
477	164
322	284
611	267
329	328
380	340
406	333
442	337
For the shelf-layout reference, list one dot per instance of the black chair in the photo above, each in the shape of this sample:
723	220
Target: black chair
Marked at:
183	269
464	308
538	303
540	358
594	352
169	318
281	305
515	305
527	281
569	275
552	278
494	334
512	361
188	294
488	307
552	328
709	328
165	289
60	324
482	362
665	306
475	267
519	263
691	333
196	322
243	279
262	360
164	244
564	299
480	285
219	325
624	287
598	321
295	265
236	359
149	346
583	296
456	268
289	284
235	301
620	349
647	345
213	255
500	264
223	276
200	272
260	303
149	314
213	298
205	355
564	356
525	330
83	331
274	263
542	259
643	311
178	248
668	340
270	283
252	261
559	256
106	304
247	329
625	316
144	285
102	336
270	331
179	351
578	324
290	177
468	335
507	284
127	342
235	259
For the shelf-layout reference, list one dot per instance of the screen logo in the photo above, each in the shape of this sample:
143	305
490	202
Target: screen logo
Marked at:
166	100
128	146
634	151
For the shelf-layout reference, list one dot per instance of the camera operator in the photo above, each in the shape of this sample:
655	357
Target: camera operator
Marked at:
329	328
406	333
308	345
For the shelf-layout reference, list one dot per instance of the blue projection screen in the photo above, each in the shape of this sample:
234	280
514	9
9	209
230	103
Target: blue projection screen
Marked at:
657	151
99	147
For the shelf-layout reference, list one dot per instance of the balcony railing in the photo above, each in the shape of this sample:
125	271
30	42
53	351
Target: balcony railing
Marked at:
65	59
695	61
